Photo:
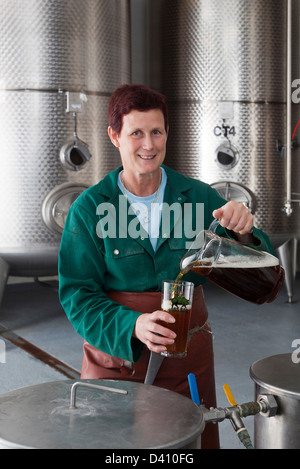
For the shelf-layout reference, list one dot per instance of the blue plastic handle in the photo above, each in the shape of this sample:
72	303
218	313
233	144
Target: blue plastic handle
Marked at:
193	388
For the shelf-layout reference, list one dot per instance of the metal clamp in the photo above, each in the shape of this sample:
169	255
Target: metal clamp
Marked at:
91	386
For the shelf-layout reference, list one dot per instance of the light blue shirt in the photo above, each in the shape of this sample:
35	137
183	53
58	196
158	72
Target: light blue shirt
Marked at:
148	209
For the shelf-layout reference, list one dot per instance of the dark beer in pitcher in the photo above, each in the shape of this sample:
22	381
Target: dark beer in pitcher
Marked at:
250	274
255	283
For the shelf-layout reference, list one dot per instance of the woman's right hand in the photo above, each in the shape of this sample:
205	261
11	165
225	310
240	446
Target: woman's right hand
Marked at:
149	330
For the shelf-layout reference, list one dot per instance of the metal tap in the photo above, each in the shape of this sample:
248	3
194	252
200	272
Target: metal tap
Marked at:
266	405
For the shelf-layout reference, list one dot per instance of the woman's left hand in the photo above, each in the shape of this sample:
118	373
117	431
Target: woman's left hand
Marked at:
236	217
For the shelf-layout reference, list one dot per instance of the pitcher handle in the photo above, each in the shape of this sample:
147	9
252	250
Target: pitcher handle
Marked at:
214	225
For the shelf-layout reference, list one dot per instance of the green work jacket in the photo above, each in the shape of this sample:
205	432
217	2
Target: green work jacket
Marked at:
94	259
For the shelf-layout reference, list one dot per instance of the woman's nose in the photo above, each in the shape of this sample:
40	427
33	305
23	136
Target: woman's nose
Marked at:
147	142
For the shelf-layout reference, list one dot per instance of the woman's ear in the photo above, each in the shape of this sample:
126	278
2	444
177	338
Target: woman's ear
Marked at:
113	137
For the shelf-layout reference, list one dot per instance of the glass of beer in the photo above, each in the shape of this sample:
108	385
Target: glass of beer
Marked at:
177	298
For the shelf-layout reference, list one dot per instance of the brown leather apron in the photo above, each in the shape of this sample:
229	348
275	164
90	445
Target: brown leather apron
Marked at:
173	373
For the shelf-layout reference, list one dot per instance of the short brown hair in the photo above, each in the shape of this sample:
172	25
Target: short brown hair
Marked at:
127	98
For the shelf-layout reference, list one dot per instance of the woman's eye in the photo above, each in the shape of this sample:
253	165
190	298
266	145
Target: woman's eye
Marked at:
136	132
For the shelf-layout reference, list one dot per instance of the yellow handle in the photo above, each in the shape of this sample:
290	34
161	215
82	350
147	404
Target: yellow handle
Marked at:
229	395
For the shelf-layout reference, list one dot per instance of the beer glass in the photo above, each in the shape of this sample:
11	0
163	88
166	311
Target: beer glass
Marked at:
252	275
177	298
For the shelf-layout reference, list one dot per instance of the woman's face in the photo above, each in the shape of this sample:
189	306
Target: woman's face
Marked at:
142	141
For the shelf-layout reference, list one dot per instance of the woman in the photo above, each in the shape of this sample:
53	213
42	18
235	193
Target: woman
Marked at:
114	254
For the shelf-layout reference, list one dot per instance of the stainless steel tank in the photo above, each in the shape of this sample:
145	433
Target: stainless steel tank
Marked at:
107	415
222	65
278	375
60	61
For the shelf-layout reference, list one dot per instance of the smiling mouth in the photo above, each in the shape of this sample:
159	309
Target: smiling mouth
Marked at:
144	157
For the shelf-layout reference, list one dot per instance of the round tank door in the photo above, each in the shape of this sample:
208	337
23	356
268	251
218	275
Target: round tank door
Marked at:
57	204
226	156
237	192
74	155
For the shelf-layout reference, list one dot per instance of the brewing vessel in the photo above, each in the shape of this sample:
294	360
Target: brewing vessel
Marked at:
60	61
278	375
118	415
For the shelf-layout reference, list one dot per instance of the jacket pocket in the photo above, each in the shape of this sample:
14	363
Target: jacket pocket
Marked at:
127	265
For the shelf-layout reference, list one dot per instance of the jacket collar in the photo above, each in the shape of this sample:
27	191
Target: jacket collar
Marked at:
177	185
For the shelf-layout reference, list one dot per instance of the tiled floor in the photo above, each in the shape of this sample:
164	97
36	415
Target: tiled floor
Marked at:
243	333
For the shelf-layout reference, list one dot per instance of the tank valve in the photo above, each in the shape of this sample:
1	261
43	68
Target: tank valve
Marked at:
265	405
236	412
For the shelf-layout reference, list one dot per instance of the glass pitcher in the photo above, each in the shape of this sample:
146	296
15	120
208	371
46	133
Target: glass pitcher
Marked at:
255	276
